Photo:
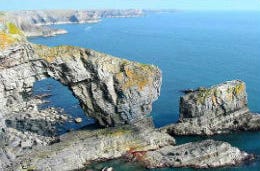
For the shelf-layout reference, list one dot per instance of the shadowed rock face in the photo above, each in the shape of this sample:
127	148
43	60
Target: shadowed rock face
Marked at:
111	90
219	109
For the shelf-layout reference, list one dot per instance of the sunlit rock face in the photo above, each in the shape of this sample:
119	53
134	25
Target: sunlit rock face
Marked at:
218	109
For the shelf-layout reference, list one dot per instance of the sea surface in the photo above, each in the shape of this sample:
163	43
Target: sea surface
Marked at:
192	49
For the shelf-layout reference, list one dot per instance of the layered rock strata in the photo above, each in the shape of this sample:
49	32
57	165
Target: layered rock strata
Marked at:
219	109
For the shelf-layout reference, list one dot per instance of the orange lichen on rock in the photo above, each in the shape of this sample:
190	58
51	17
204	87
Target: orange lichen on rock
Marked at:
5	40
137	75
238	89
50	54
9	34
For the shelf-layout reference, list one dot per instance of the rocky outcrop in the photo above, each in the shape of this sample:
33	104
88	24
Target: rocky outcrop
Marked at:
205	154
33	23
77	149
219	109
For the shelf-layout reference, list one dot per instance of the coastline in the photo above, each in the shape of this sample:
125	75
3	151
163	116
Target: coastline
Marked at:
118	132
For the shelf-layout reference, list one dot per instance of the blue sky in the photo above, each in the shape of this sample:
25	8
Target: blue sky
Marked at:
123	4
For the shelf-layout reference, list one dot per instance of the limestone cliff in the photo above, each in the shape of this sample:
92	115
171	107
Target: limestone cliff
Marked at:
219	109
34	23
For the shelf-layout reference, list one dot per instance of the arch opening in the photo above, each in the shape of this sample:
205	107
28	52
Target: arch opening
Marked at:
58	96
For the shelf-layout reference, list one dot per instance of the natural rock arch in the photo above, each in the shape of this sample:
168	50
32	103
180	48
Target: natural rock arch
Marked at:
111	90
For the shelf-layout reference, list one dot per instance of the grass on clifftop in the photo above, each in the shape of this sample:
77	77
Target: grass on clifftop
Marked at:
9	34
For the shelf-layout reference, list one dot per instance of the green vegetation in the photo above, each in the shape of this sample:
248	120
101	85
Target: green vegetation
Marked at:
10	35
12	29
238	89
114	132
204	93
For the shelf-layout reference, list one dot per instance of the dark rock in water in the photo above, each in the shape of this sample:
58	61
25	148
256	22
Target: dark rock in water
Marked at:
41	96
186	91
219	109
205	154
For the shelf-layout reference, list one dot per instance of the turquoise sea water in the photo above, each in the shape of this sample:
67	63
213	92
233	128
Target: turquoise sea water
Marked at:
191	48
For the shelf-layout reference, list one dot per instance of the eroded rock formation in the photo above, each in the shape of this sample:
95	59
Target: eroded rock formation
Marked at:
111	90
219	109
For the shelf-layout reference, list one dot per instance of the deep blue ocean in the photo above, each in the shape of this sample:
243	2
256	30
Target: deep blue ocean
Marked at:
192	49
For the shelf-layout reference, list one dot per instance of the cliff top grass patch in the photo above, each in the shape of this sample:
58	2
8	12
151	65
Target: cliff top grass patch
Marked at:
9	34
51	53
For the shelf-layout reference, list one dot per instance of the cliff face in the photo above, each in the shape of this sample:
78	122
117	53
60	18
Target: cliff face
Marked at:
219	109
32	22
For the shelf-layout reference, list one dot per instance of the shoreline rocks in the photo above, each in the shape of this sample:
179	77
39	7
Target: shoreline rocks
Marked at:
78	148
215	110
205	154
35	22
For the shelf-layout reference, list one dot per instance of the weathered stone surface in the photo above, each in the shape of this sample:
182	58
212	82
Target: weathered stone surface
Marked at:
219	109
205	154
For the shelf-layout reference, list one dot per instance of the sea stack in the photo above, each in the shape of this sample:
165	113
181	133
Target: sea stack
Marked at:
219	109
